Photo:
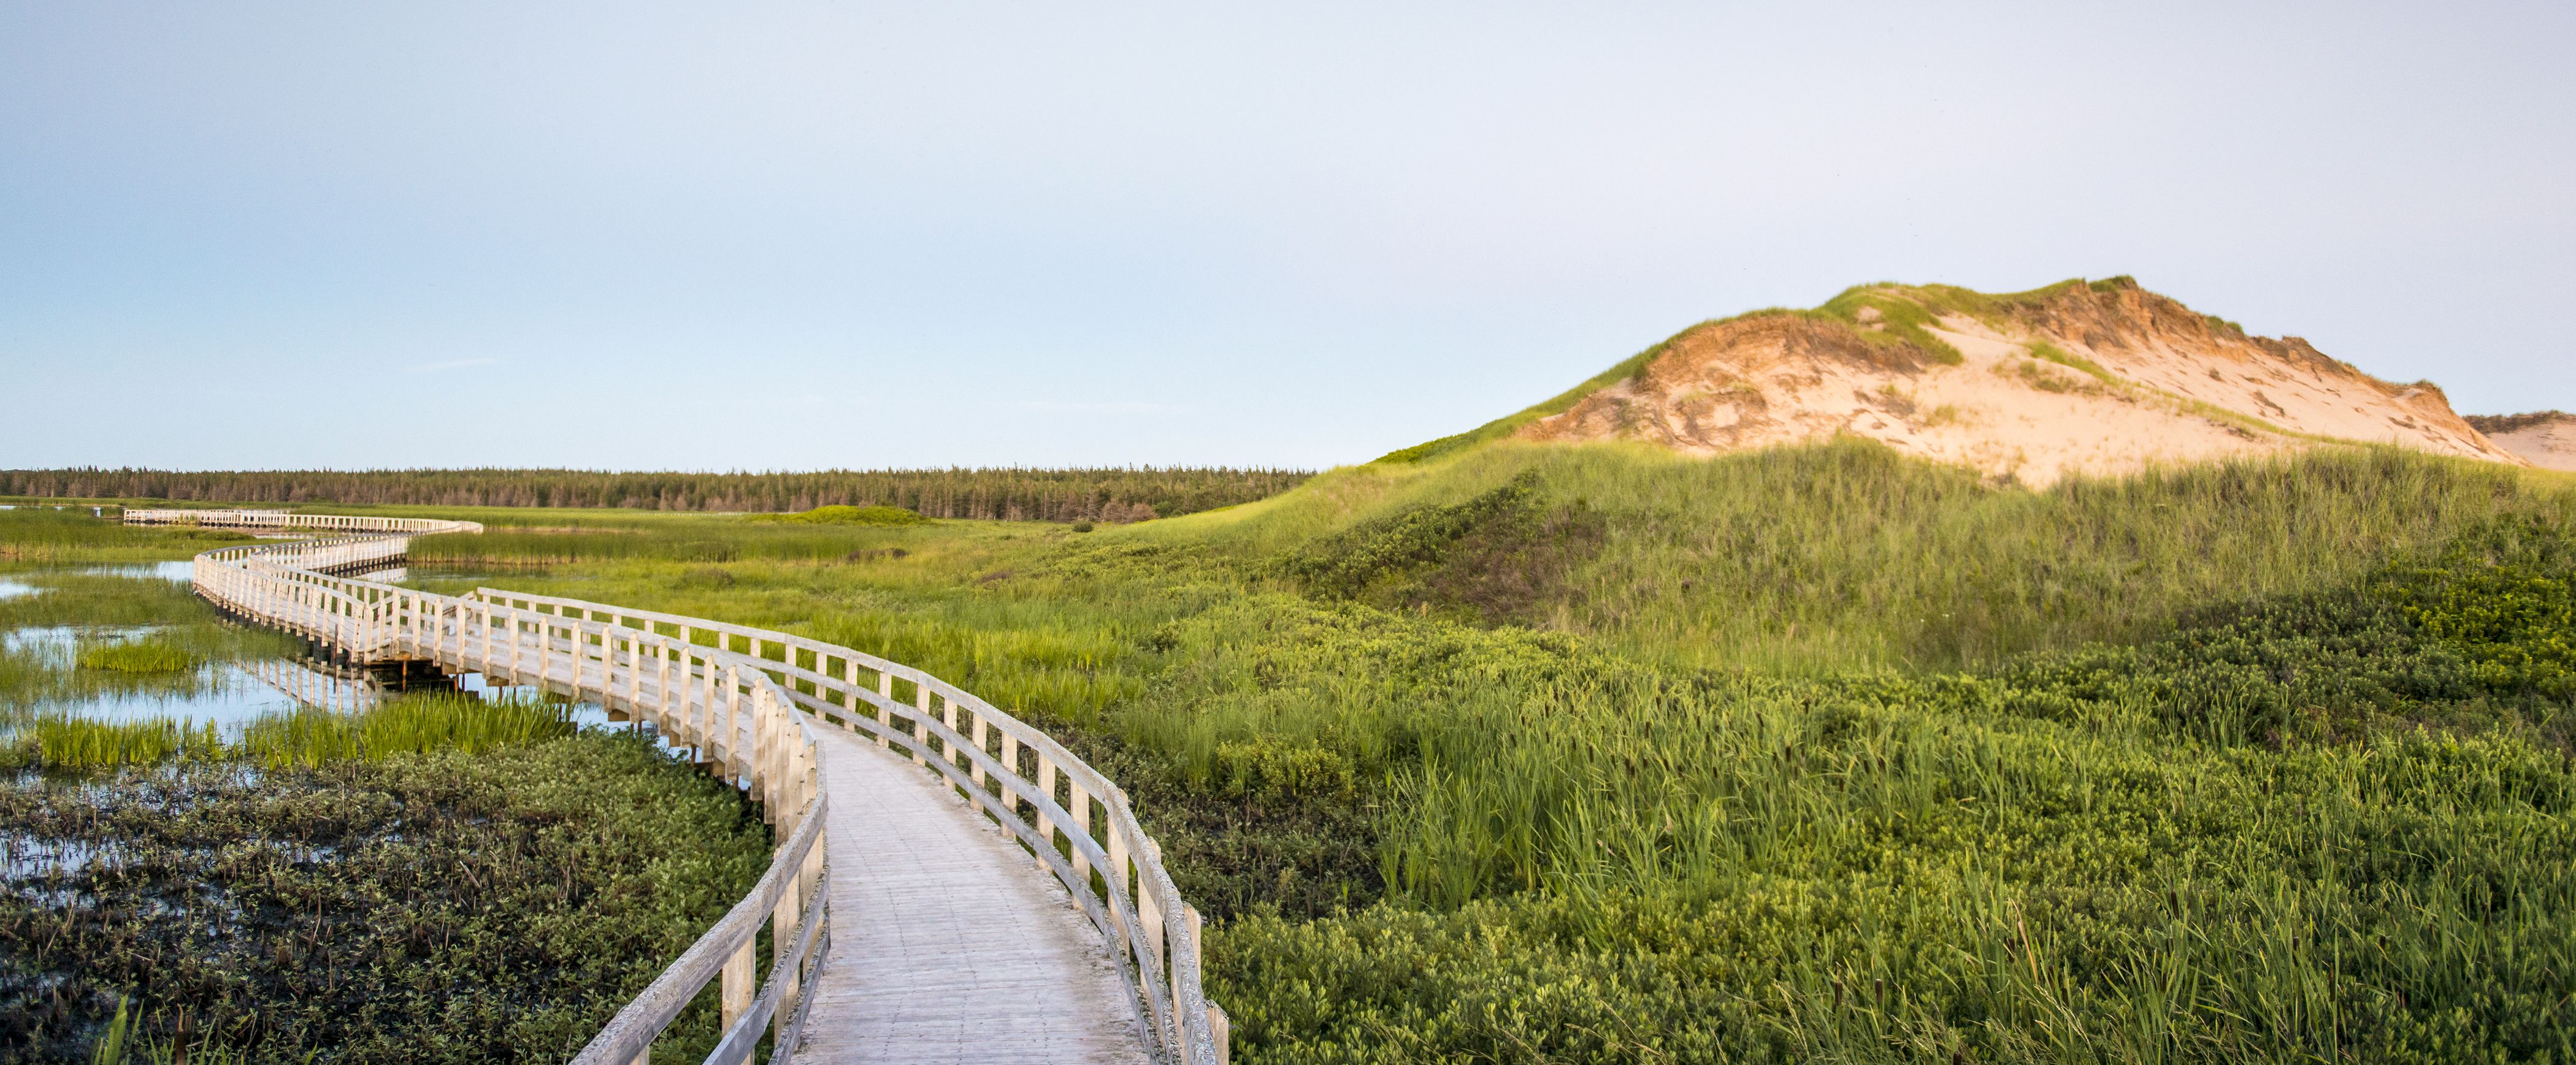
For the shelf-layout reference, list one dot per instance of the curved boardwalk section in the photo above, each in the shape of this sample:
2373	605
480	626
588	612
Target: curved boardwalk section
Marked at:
965	954
951	885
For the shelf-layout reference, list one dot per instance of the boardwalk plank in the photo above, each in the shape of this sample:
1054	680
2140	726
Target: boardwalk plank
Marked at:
947	945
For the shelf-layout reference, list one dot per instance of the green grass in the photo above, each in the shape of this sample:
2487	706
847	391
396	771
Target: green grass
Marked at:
1528	754
1817	559
308	738
1807	753
140	656
44	536
2333	827
103	616
399	725
839	515
68	742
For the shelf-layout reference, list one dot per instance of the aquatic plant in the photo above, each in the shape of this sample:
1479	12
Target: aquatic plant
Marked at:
438	907
140	656
64	741
401	724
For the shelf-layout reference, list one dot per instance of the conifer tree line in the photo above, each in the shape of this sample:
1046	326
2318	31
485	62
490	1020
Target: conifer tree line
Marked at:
1010	494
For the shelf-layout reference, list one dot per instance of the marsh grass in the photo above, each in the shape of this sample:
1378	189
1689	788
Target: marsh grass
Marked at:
80	617
435	907
140	656
44	536
703	541
61	741
400	725
305	738
2270	836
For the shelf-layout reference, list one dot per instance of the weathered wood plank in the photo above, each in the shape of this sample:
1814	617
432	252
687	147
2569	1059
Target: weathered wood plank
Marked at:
944	948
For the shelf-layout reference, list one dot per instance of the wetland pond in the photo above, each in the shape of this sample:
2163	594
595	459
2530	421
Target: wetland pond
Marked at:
215	847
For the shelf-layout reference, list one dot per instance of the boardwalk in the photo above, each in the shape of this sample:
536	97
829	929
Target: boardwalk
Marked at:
1032	922
951	947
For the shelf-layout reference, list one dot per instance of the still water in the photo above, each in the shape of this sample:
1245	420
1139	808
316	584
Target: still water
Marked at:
229	692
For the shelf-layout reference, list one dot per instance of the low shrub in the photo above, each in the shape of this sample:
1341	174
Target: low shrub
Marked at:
844	515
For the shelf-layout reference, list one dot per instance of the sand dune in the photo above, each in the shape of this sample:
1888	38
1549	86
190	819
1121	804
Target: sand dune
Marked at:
2099	378
2546	439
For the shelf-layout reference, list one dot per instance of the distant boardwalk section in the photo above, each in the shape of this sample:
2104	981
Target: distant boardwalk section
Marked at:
951	884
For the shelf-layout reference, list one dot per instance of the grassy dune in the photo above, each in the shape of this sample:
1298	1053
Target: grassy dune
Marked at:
1845	555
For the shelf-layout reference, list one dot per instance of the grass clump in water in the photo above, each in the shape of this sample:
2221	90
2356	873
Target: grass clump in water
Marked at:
70	742
304	738
140	656
400	725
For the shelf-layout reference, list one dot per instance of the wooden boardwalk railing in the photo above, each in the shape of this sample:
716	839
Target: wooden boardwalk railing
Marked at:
748	699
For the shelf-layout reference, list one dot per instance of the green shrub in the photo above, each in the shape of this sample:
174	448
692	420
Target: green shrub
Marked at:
1268	768
844	515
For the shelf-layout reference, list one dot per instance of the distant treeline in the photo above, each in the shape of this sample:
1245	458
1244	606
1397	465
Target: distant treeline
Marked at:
1006	494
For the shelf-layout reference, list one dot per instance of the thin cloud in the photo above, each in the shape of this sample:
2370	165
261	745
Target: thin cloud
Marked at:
459	364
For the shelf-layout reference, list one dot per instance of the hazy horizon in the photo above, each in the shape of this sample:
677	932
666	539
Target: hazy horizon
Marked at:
635	237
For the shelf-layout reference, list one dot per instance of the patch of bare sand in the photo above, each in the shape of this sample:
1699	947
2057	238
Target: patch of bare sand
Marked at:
2546	439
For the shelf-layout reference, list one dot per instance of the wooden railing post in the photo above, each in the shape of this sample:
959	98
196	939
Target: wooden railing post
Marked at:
921	724
885	721
1081	823
1180	1007
1046	792
783	923
734	999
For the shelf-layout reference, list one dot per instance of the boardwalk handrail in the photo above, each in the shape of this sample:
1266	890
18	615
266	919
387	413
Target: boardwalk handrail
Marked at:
1012	772
701	697
287	519
1003	766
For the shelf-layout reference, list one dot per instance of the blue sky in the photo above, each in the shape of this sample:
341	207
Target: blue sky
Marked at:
786	236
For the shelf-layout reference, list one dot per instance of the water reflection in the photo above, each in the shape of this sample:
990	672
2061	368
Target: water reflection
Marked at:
183	571
226	693
42	664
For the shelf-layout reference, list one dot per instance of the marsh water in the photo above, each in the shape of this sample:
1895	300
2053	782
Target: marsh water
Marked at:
227	848
238	676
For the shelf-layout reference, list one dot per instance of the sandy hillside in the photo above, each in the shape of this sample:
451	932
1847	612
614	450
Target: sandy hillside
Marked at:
2098	378
2546	439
